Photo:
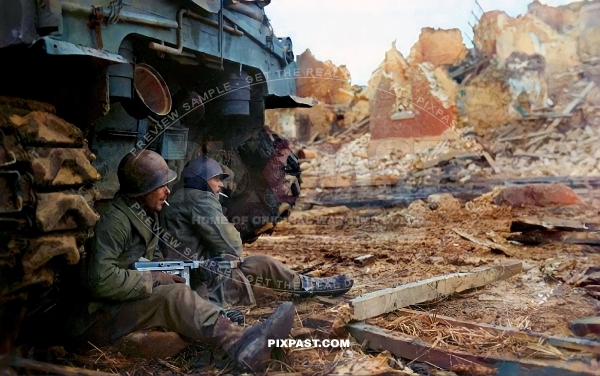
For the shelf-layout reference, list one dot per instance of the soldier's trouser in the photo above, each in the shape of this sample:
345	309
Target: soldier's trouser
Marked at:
174	307
268	272
235	287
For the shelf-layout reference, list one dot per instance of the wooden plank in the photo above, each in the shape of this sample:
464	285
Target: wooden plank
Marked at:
412	348
523	136
579	98
561	237
571	106
452	154
585	326
317	213
546	115
528	223
534	155
364	260
390	299
571	343
491	162
50	368
506	249
507	130
588	238
536	140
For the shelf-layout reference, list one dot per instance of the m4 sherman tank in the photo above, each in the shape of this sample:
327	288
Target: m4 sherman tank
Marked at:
83	82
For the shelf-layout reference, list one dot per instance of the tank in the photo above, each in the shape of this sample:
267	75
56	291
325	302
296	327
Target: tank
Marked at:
85	82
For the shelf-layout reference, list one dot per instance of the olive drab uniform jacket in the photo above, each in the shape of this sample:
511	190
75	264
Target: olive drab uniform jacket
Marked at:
123	235
122	300
198	228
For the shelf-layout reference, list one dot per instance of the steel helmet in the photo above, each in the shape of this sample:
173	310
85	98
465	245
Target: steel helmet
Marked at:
143	172
204	168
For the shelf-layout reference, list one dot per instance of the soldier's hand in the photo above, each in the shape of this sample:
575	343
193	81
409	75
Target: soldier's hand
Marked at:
160	278
209	270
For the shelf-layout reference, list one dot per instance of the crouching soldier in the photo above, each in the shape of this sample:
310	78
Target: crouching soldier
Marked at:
126	300
195	217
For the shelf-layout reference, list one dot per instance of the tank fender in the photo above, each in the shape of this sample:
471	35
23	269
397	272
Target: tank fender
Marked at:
58	47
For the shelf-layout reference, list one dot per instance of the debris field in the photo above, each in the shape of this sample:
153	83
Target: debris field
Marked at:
459	189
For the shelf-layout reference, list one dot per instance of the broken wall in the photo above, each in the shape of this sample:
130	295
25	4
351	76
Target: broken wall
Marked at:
339	103
534	61
413	100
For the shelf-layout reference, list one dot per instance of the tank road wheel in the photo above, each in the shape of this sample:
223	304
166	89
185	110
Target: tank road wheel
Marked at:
265	184
46	206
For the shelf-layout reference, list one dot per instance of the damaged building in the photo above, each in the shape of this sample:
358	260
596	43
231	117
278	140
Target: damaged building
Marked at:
468	159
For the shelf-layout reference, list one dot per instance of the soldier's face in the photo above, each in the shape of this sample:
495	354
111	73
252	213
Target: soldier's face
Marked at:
155	200
215	184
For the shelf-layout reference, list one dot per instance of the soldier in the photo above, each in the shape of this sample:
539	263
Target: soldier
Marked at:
128	300
195	218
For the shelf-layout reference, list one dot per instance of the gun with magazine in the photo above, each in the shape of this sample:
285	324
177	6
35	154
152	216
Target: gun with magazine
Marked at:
182	268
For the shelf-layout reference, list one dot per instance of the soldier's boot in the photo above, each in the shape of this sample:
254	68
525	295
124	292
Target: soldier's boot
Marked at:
235	315
250	347
328	286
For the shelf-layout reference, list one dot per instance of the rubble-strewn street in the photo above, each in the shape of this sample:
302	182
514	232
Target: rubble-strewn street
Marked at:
421	242
459	189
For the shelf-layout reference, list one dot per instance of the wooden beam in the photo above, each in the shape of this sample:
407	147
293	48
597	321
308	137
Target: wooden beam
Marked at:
365	260
412	348
524	136
551	236
47	367
491	162
452	154
571	106
529	223
390	299
546	115
571	343
506	249
588	238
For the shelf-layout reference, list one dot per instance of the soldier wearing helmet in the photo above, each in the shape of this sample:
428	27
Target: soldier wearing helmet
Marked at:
127	300
196	219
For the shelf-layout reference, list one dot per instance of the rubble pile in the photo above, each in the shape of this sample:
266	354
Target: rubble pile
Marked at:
572	153
539	271
413	100
339	104
353	165
524	102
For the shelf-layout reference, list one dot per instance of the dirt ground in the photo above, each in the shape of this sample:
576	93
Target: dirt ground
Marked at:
417	243
409	244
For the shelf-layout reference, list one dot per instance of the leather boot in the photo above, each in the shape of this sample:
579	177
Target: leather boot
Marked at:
249	347
328	286
235	315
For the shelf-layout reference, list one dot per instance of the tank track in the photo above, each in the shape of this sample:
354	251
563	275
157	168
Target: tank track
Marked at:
46	207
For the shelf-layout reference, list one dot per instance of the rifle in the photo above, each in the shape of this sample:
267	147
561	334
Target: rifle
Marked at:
182	268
